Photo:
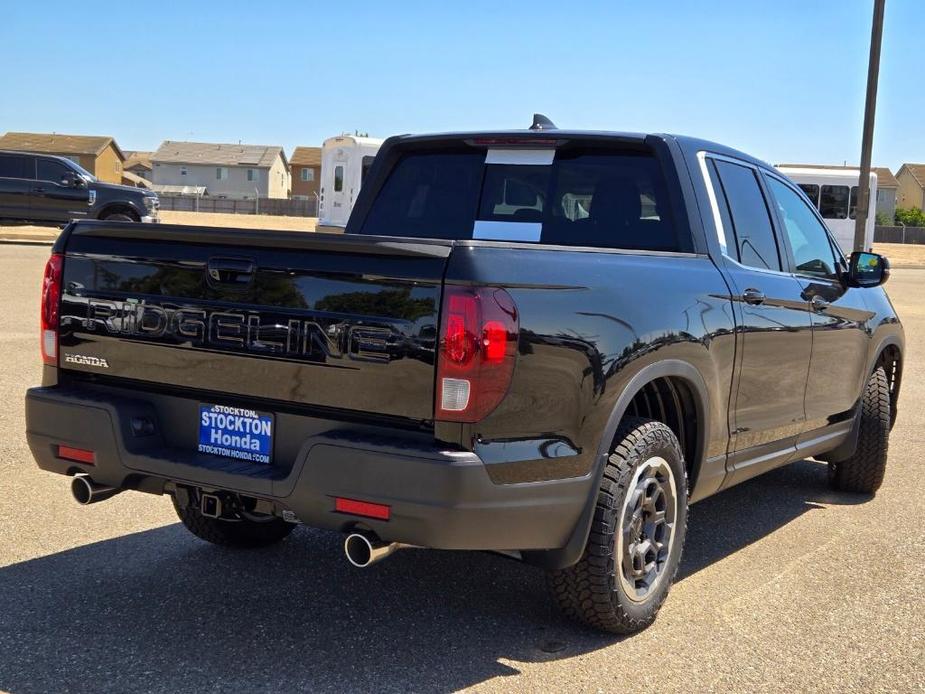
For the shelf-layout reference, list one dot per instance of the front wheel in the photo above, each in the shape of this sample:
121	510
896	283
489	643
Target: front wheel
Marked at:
863	471
120	217
637	534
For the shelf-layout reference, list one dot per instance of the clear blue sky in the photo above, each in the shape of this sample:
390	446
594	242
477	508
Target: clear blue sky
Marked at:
783	80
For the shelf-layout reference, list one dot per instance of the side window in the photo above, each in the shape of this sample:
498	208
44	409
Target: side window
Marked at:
338	178
812	192
812	251
751	222
833	203
13	166
51	170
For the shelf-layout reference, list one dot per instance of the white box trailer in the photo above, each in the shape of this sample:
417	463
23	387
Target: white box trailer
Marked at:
345	159
834	192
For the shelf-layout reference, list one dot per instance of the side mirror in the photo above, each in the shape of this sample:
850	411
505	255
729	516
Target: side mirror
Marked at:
867	269
71	180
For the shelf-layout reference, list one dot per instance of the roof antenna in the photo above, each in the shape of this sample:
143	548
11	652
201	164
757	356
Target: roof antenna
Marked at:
541	122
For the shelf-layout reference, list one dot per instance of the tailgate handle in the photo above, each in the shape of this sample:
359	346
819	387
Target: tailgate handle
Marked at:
230	273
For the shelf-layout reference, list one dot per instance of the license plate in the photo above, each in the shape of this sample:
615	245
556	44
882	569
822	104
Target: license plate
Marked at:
236	432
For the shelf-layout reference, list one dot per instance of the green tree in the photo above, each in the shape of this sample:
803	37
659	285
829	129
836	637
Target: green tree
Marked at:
910	217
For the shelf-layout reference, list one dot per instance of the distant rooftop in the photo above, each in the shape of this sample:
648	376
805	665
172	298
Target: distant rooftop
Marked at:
258	156
306	156
55	143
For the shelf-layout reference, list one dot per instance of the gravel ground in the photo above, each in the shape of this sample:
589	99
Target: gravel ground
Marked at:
784	585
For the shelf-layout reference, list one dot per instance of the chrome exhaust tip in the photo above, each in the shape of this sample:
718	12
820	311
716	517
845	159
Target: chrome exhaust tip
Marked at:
86	491
365	549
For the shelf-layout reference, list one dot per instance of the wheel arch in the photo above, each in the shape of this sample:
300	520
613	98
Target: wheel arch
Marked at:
889	355
692	379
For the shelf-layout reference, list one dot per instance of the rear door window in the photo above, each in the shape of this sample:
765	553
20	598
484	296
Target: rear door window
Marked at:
592	198
751	220
14	166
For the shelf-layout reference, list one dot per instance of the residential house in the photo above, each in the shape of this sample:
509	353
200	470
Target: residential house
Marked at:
136	170
911	179
100	155
139	163
236	172
887	185
305	169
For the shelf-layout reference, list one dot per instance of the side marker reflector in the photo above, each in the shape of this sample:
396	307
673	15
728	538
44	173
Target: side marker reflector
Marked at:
78	454
362	508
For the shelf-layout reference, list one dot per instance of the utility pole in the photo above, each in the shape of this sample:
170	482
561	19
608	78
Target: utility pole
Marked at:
867	143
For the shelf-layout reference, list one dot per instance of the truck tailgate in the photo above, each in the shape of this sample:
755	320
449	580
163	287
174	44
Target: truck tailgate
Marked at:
317	319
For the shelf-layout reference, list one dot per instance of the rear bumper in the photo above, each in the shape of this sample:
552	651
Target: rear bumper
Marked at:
439	498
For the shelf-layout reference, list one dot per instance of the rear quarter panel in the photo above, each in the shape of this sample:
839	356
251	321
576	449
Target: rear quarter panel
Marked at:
590	321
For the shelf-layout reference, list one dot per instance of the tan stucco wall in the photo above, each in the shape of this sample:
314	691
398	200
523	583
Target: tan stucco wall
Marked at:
909	194
108	166
306	188
279	185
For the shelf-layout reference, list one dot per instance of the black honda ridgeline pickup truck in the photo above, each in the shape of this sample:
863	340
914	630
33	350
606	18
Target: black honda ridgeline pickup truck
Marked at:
541	343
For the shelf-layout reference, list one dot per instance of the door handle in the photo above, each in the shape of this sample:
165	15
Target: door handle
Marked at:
38	189
753	296
818	303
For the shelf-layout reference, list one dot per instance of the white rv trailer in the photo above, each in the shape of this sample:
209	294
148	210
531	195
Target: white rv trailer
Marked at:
345	159
834	192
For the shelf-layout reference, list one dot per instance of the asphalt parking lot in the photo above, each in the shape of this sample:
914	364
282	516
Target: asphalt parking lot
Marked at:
784	584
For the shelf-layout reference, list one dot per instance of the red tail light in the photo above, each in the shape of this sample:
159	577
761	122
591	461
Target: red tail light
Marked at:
51	298
477	351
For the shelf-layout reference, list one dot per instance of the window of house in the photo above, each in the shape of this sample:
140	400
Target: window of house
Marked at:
221	173
251	175
307	174
751	220
183	170
338	178
833	202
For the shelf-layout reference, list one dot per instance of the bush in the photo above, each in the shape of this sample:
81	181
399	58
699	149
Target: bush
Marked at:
883	220
911	217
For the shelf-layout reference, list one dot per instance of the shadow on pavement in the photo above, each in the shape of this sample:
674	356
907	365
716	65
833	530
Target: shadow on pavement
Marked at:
162	611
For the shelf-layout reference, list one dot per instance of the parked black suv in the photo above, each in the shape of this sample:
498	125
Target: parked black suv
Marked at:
46	189
545	344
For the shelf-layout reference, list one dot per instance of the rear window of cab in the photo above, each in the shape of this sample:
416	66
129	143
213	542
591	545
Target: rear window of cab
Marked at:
597	198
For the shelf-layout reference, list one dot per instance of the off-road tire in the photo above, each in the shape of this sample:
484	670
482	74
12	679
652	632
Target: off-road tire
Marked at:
863	472
120	216
591	591
238	533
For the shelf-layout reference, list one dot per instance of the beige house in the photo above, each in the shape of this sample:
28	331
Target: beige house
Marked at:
911	179
100	155
236	172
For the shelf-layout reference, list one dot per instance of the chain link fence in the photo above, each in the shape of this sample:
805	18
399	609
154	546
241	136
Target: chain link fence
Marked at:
884	234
